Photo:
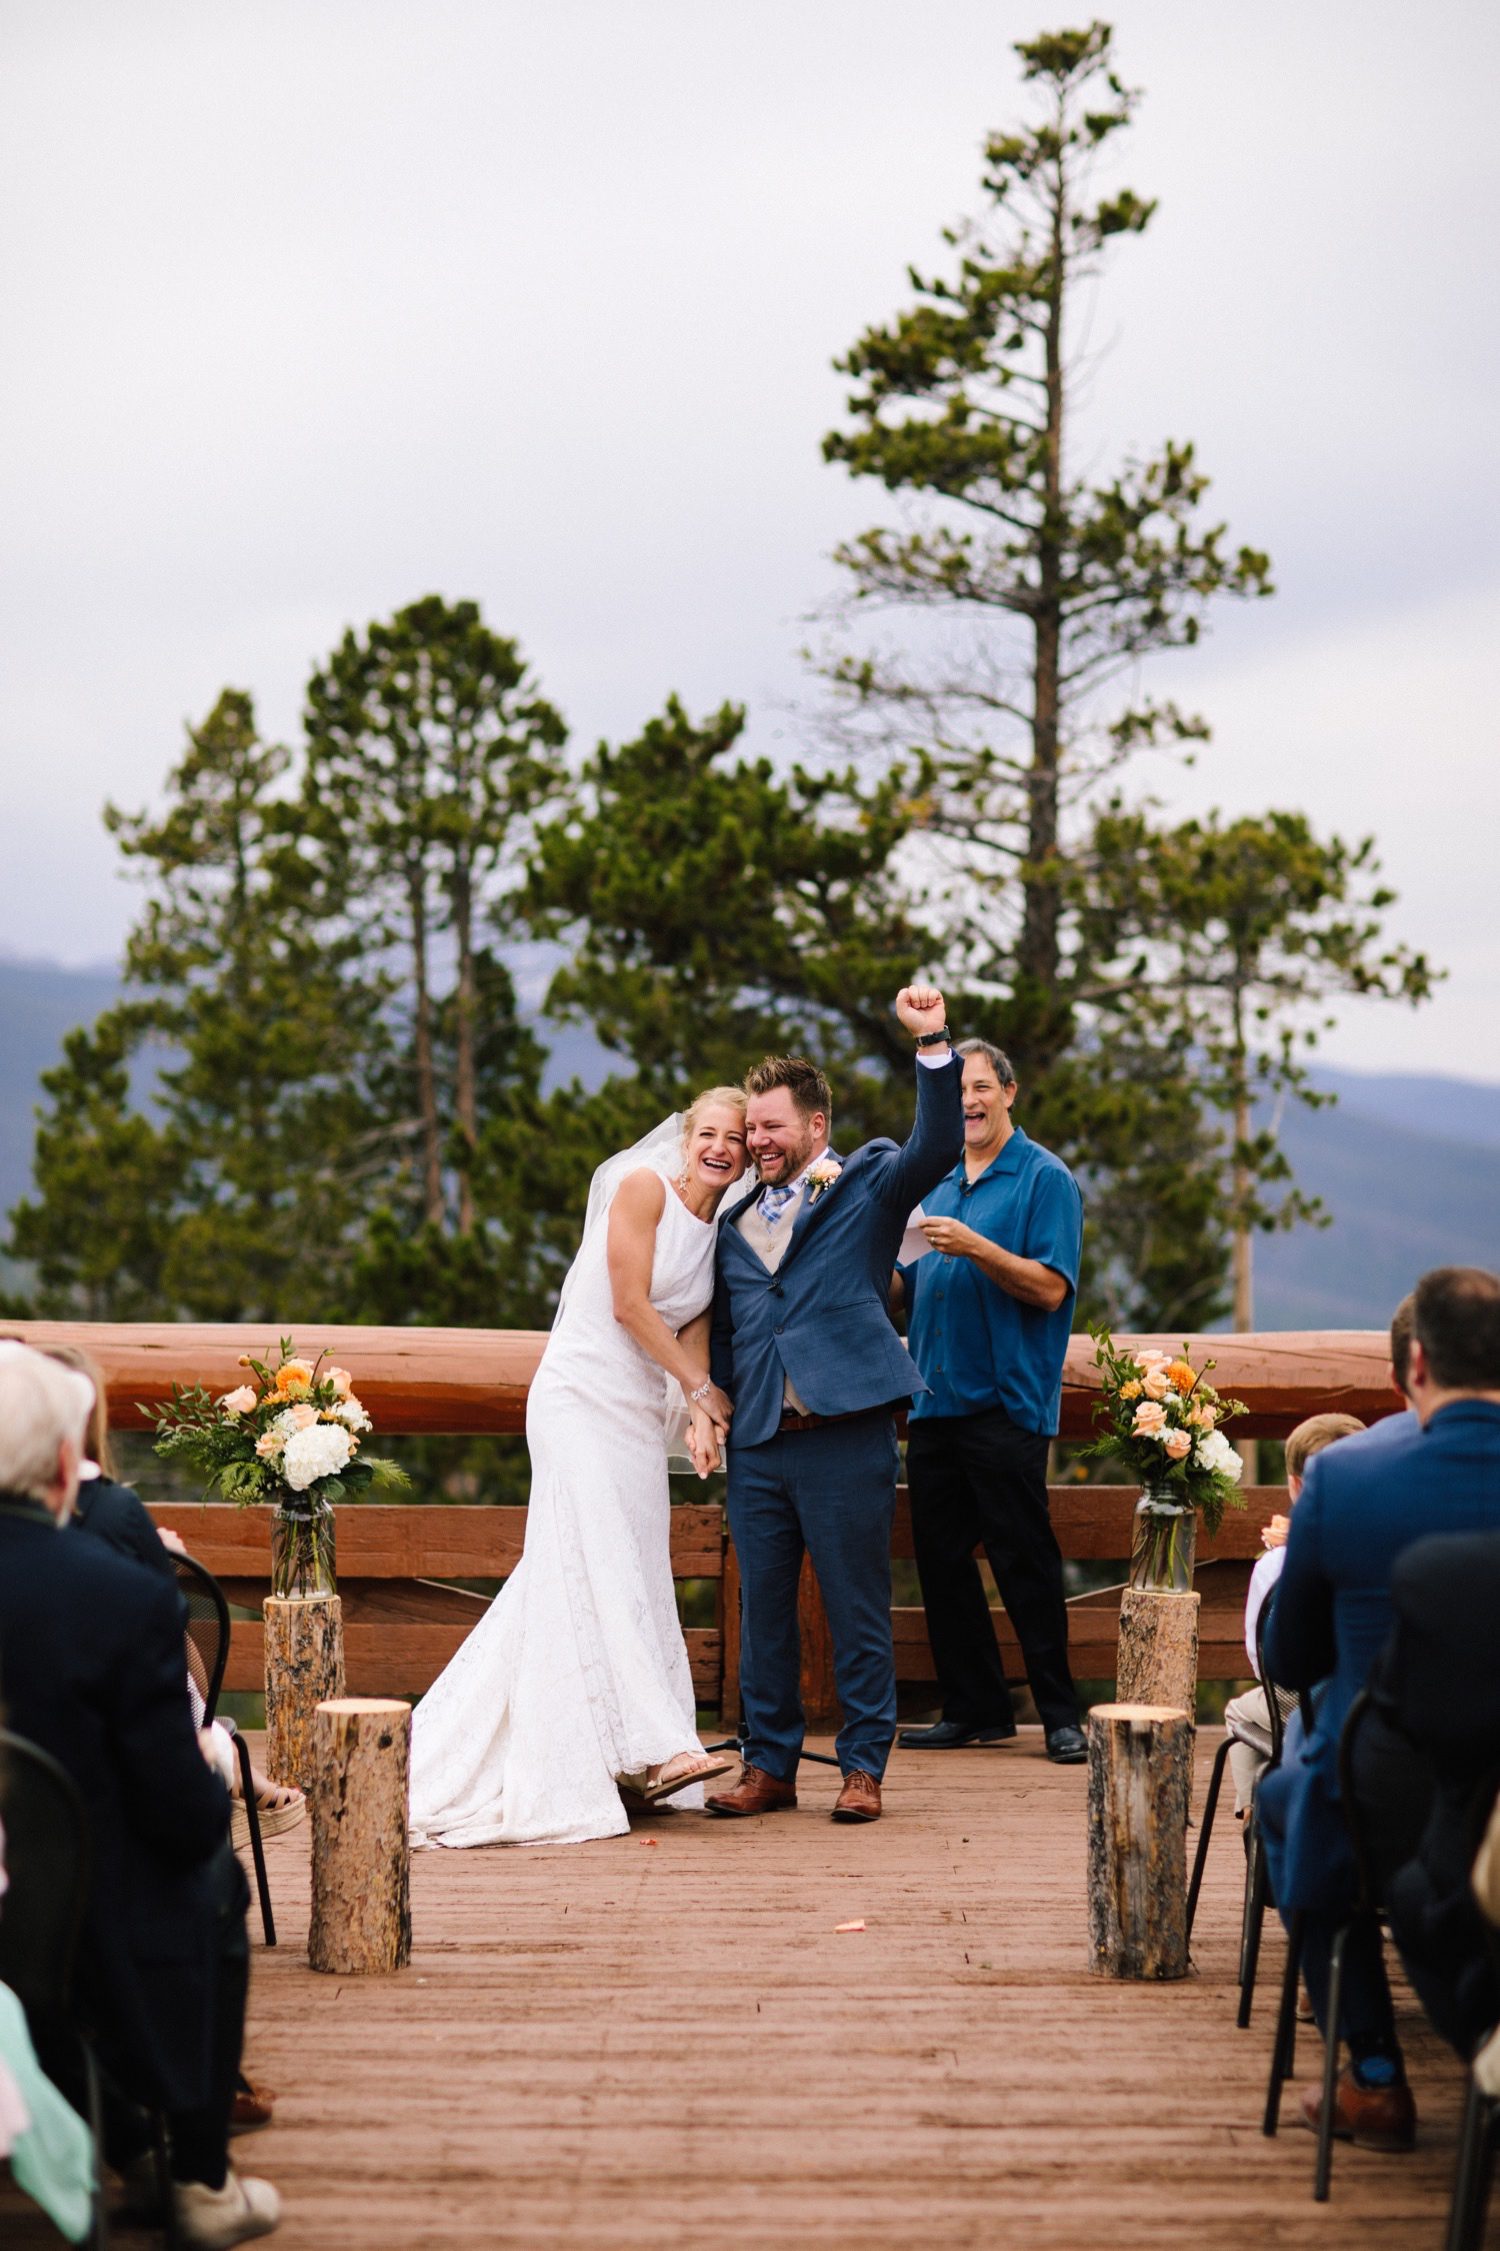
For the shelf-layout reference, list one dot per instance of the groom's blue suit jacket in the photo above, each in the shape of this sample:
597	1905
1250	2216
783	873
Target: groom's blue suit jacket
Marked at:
822	1317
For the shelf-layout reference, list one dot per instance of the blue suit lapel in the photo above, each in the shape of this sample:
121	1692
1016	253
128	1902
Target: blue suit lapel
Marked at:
809	1212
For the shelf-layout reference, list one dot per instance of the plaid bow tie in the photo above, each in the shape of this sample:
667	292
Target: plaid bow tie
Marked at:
774	1202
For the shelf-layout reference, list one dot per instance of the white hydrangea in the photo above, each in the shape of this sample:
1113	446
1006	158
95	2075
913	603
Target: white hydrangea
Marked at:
320	1451
1213	1451
351	1414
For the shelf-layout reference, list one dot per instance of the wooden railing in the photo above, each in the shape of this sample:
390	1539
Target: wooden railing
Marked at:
404	1616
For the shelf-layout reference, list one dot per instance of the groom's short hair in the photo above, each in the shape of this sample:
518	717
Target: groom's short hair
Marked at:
804	1082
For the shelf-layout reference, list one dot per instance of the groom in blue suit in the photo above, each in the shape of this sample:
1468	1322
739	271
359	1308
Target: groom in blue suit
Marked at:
802	1341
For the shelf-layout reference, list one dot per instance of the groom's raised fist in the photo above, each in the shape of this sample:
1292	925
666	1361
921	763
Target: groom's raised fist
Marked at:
920	1008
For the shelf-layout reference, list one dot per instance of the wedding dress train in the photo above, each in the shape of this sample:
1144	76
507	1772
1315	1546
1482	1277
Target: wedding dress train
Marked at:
577	1675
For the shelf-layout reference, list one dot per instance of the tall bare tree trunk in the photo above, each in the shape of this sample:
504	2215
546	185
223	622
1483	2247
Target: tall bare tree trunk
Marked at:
1037	953
466	1106
427	1109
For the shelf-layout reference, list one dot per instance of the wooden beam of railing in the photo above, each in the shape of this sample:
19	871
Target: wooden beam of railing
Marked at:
457	1381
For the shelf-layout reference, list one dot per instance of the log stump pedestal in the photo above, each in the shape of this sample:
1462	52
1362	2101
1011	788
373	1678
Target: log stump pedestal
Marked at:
361	1856
304	1667
1140	1768
1158	1651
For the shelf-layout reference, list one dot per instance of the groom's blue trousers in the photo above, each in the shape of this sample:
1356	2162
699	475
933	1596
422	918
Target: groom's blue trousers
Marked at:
831	1492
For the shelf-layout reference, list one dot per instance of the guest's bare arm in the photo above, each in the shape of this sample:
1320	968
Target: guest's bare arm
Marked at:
634	1217
1024	1278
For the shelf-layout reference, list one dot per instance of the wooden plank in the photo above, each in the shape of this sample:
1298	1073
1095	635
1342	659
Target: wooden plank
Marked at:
1092	1639
386	1659
1093	1522
476	1380
377	1542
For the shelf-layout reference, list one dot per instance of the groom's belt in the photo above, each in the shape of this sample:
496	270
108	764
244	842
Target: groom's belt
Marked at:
790	1420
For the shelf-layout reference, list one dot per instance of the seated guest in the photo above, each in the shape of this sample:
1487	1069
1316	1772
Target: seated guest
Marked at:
1364	1503
116	1513
1437	1682
990	1314
91	1669
1248	1717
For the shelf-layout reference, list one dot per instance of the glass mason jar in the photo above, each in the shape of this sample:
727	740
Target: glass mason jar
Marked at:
302	1547
1162	1539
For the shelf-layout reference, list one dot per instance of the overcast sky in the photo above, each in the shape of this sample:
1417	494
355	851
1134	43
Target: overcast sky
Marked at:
313	308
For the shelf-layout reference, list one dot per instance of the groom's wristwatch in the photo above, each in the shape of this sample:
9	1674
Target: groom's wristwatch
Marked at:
942	1038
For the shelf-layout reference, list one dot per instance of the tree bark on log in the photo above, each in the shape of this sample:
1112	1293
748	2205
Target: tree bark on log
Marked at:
304	1666
1157	1661
361	1859
1140	1763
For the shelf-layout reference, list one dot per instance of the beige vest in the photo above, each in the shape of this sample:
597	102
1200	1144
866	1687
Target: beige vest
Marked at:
769	1245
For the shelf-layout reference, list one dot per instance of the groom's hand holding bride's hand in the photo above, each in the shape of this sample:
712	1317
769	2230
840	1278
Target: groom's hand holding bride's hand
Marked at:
704	1443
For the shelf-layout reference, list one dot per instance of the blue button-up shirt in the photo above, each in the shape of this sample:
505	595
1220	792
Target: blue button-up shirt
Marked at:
976	1345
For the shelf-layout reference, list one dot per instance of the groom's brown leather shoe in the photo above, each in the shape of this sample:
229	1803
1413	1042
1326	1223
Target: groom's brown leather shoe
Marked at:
755	1792
859	1799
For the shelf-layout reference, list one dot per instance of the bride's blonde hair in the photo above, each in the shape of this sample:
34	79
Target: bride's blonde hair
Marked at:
730	1097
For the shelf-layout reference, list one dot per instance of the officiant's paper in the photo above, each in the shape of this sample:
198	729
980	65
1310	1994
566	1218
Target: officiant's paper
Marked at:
914	1243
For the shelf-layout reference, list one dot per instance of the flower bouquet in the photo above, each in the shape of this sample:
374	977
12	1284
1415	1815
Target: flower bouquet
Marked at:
1162	1416
290	1435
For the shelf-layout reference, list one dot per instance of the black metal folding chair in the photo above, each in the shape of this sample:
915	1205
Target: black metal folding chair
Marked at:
1365	1903
1279	1702
48	1859
1474	2172
207	1656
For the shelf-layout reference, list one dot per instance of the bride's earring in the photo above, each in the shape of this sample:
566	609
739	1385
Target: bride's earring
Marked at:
684	1180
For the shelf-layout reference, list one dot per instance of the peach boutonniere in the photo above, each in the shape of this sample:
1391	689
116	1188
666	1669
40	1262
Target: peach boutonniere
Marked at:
821	1177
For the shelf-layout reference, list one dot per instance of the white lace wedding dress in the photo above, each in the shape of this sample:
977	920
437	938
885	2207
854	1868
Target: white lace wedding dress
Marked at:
577	1674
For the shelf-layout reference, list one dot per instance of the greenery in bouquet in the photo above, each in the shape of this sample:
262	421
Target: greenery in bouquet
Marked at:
290	1434
1162	1417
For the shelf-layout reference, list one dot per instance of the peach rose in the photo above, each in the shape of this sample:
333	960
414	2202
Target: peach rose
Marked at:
1149	1419
1177	1443
1203	1417
302	1415
340	1378
1155	1383
238	1402
269	1444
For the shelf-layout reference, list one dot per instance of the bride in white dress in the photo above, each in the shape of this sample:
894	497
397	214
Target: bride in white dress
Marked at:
576	1679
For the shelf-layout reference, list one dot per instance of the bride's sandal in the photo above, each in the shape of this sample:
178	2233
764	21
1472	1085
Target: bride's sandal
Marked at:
667	1785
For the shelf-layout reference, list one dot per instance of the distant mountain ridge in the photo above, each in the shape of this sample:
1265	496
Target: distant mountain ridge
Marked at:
1408	1163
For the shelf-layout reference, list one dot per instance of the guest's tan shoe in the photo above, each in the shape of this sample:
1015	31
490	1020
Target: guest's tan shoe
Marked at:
1370	2117
859	1799
755	1792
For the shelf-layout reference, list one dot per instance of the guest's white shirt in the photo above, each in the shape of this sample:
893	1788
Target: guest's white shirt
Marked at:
1262	1579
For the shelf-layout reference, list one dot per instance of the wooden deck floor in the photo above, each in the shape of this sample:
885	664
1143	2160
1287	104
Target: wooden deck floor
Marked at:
661	2041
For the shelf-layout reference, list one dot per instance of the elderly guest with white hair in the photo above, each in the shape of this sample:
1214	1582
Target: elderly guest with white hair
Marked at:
91	1669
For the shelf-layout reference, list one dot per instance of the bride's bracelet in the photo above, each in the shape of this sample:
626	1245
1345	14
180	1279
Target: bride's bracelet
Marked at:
696	1398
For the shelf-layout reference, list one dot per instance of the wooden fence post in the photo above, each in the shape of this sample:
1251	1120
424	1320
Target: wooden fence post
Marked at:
1140	1764
361	1857
304	1666
1158	1651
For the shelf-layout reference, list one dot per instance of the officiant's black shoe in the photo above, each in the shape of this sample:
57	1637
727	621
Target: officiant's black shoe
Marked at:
1066	1746
948	1735
755	1792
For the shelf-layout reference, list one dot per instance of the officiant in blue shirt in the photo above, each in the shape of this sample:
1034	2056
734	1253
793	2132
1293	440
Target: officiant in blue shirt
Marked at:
989	1316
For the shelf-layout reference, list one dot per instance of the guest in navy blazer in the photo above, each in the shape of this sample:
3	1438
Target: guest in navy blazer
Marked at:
1365	1502
92	1669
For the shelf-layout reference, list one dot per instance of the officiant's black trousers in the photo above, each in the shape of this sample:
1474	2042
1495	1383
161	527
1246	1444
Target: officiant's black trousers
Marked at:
982	1480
